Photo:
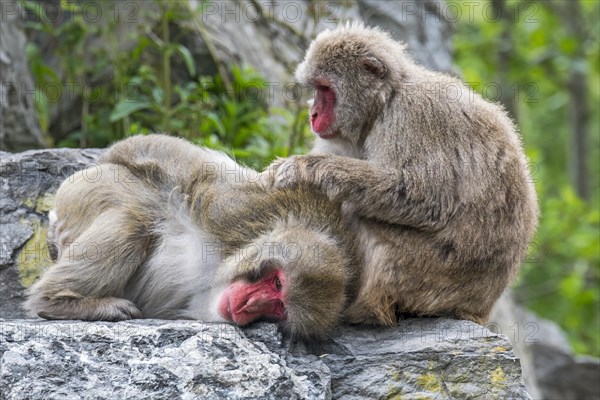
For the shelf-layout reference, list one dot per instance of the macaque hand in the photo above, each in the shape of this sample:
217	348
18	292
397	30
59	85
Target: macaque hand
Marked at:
267	177
273	177
309	169
288	173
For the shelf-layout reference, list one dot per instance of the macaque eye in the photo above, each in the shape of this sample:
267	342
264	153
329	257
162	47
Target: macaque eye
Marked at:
278	284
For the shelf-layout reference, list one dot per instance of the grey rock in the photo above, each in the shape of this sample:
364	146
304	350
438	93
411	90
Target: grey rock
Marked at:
281	36
28	182
19	126
504	321
550	369
422	25
566	377
420	358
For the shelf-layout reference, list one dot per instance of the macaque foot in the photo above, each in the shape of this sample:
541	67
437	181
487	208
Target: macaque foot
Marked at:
359	314
89	309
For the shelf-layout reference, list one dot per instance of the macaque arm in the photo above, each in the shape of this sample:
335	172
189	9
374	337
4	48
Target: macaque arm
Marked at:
392	196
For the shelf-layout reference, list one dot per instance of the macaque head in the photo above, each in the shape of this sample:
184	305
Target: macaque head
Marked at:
293	276
349	70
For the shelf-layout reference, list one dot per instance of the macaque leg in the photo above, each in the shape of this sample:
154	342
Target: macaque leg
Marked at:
71	305
91	274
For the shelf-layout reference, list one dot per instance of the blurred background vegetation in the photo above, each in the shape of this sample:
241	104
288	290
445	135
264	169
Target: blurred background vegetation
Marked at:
222	111
543	66
545	70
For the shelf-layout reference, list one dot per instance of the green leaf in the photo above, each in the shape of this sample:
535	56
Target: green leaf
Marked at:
126	108
32	6
188	59
216	123
69	6
157	95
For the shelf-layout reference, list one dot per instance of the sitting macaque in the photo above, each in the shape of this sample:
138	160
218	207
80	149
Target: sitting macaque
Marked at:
164	229
432	176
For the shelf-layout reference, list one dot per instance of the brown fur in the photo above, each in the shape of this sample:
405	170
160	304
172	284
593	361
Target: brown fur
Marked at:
438	186
149	192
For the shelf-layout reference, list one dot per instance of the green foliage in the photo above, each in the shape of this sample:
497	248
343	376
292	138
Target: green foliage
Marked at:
135	92
243	126
561	279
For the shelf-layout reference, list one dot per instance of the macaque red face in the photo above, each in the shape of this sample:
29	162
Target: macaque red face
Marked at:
244	301
322	116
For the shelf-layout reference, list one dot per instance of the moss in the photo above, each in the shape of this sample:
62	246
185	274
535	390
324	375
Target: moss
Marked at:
394	393
44	203
430	382
27	203
33	257
498	377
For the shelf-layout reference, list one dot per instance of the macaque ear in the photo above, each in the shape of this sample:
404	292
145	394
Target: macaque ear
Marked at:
374	66
301	74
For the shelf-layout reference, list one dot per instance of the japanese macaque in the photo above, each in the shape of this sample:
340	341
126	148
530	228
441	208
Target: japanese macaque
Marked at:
433	177
164	229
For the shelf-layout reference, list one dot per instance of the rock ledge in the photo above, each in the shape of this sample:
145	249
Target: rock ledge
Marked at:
418	359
